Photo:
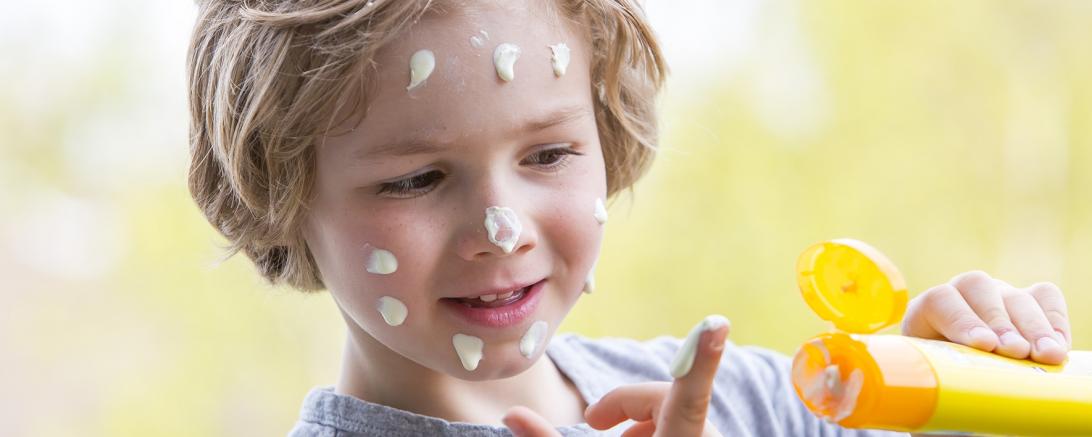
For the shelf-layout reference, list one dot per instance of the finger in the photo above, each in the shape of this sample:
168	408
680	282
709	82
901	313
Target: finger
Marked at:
983	294
638	402
945	314
687	403
641	429
1028	317
523	422
1052	302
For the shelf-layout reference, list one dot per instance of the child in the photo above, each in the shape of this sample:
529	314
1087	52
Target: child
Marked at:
440	167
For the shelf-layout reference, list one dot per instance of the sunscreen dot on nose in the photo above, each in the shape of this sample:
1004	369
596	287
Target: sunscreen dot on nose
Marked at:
393	310
504	59
421	64
532	338
469	348
559	58
600	211
503	227
380	262
684	358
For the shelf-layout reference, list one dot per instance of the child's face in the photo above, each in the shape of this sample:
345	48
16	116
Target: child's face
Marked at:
417	174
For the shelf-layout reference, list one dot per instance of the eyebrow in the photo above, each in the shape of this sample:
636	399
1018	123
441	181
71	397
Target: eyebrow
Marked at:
424	146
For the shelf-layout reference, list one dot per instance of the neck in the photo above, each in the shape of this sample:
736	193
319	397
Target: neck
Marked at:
374	373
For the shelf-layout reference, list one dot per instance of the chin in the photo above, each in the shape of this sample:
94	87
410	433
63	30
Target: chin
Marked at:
511	366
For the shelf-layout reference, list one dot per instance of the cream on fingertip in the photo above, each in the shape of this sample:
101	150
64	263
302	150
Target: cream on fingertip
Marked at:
684	358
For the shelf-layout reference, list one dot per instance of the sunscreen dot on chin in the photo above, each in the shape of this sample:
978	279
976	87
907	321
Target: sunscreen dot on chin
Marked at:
469	348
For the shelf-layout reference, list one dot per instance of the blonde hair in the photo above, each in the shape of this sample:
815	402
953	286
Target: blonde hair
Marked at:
266	79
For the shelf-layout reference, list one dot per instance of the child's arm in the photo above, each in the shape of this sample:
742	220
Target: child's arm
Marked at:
990	314
658	408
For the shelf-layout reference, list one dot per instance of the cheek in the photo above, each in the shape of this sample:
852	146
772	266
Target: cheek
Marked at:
373	266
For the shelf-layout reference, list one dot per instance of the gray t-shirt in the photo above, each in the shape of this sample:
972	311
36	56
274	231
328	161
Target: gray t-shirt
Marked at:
752	394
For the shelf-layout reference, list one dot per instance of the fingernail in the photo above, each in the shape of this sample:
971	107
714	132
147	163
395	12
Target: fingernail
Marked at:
982	335
1011	338
1046	343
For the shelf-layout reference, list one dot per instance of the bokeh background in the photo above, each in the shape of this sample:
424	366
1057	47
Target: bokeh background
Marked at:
951	135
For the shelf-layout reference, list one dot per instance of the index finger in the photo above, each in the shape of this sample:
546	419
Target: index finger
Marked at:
684	410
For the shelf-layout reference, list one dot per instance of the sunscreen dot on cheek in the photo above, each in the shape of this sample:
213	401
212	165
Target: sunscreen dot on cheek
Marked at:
503	227
600	211
421	64
559	58
589	282
394	312
469	348
532	338
504	59
684	358
380	262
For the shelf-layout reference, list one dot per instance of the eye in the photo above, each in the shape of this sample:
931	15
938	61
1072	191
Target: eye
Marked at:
553	158
411	186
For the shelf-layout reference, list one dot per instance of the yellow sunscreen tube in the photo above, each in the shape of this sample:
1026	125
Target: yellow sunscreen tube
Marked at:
900	383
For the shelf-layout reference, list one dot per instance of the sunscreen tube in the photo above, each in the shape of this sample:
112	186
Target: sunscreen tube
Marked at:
900	383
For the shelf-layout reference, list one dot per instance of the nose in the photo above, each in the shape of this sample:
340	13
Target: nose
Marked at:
493	230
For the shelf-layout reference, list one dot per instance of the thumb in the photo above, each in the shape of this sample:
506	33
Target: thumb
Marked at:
523	422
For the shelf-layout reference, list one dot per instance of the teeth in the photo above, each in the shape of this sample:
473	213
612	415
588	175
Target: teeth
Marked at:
505	295
488	298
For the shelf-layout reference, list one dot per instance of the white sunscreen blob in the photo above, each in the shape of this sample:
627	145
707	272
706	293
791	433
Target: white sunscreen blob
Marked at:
421	64
589	282
559	58
469	349
684	359
600	211
532	338
381	262
503	227
504	58
393	310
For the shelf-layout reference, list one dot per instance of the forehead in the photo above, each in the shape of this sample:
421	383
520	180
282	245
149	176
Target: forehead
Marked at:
463	94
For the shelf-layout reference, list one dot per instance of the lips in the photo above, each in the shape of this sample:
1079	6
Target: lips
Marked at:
496	310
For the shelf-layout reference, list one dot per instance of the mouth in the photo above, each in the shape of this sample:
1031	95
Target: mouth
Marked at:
496	310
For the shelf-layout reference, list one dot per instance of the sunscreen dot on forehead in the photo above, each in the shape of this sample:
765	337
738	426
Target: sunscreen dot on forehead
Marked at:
478	41
380	262
421	64
684	358
503	227
559	58
532	338
393	310
504	59
469	349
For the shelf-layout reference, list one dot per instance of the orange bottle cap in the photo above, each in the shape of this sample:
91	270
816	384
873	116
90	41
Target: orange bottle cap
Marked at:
851	284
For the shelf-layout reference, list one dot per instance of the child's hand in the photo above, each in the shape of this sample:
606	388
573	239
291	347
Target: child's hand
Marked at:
659	408
990	314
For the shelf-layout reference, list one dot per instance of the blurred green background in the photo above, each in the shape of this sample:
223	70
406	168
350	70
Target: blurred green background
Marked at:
950	135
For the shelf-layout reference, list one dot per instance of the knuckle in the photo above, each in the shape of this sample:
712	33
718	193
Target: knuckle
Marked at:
935	297
693	410
971	279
